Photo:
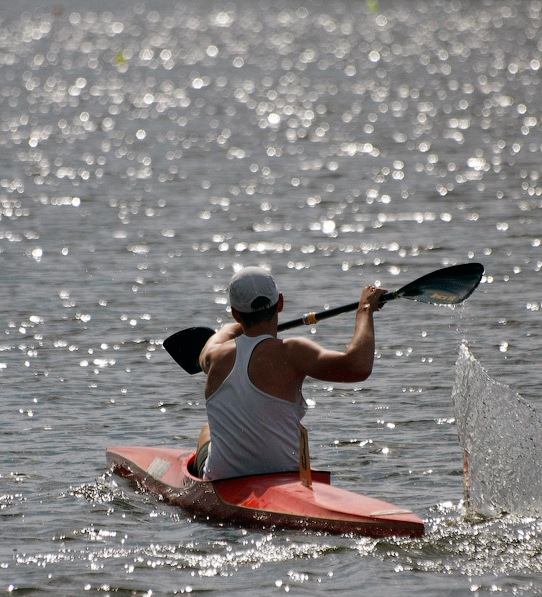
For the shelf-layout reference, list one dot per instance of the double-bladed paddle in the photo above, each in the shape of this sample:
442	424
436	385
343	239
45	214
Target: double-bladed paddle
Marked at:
447	286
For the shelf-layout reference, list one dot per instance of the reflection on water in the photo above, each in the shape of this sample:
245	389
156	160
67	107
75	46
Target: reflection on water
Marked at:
489	551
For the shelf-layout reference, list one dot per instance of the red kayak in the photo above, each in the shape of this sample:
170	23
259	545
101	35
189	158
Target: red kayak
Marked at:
279	500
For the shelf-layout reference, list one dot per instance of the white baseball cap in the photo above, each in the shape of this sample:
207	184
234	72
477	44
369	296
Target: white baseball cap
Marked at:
249	284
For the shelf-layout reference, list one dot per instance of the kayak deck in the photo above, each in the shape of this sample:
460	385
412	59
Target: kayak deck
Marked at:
277	500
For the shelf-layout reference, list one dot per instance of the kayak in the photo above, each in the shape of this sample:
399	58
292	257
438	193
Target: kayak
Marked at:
277	500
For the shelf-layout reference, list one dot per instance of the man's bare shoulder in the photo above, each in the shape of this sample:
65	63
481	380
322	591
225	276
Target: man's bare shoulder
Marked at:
216	351
299	341
299	346
309	358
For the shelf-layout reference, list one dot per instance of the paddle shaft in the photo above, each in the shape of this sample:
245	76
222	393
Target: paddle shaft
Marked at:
312	318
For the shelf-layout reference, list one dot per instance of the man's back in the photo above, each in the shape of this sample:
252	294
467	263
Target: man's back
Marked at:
269	369
252	431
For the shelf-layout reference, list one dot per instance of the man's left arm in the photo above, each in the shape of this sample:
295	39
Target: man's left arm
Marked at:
226	333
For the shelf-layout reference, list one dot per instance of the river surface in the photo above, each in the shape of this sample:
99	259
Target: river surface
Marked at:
150	148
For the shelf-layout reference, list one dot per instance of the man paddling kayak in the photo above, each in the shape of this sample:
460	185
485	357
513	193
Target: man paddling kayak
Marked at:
254	381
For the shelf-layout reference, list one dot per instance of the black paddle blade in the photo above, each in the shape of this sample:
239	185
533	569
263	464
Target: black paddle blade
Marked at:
447	286
185	347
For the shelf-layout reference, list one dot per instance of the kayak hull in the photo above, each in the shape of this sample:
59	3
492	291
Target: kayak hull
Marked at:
278	500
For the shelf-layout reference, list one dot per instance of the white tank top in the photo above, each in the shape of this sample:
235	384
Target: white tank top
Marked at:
251	432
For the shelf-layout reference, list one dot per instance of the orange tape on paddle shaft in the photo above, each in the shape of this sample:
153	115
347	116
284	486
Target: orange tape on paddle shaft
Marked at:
310	318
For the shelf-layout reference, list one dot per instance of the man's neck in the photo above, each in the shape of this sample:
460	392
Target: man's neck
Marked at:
261	329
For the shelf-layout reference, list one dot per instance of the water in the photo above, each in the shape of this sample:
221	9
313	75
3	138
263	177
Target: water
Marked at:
148	149
499	462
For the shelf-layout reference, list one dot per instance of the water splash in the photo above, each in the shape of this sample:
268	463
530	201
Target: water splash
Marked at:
502	442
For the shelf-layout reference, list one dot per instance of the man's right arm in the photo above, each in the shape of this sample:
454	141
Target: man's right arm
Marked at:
355	363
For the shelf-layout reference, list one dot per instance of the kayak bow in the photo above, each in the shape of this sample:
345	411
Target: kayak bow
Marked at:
278	500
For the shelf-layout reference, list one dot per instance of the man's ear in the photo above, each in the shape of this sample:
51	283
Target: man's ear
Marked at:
281	302
236	315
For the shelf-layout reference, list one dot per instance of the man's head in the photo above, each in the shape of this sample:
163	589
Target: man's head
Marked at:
254	294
